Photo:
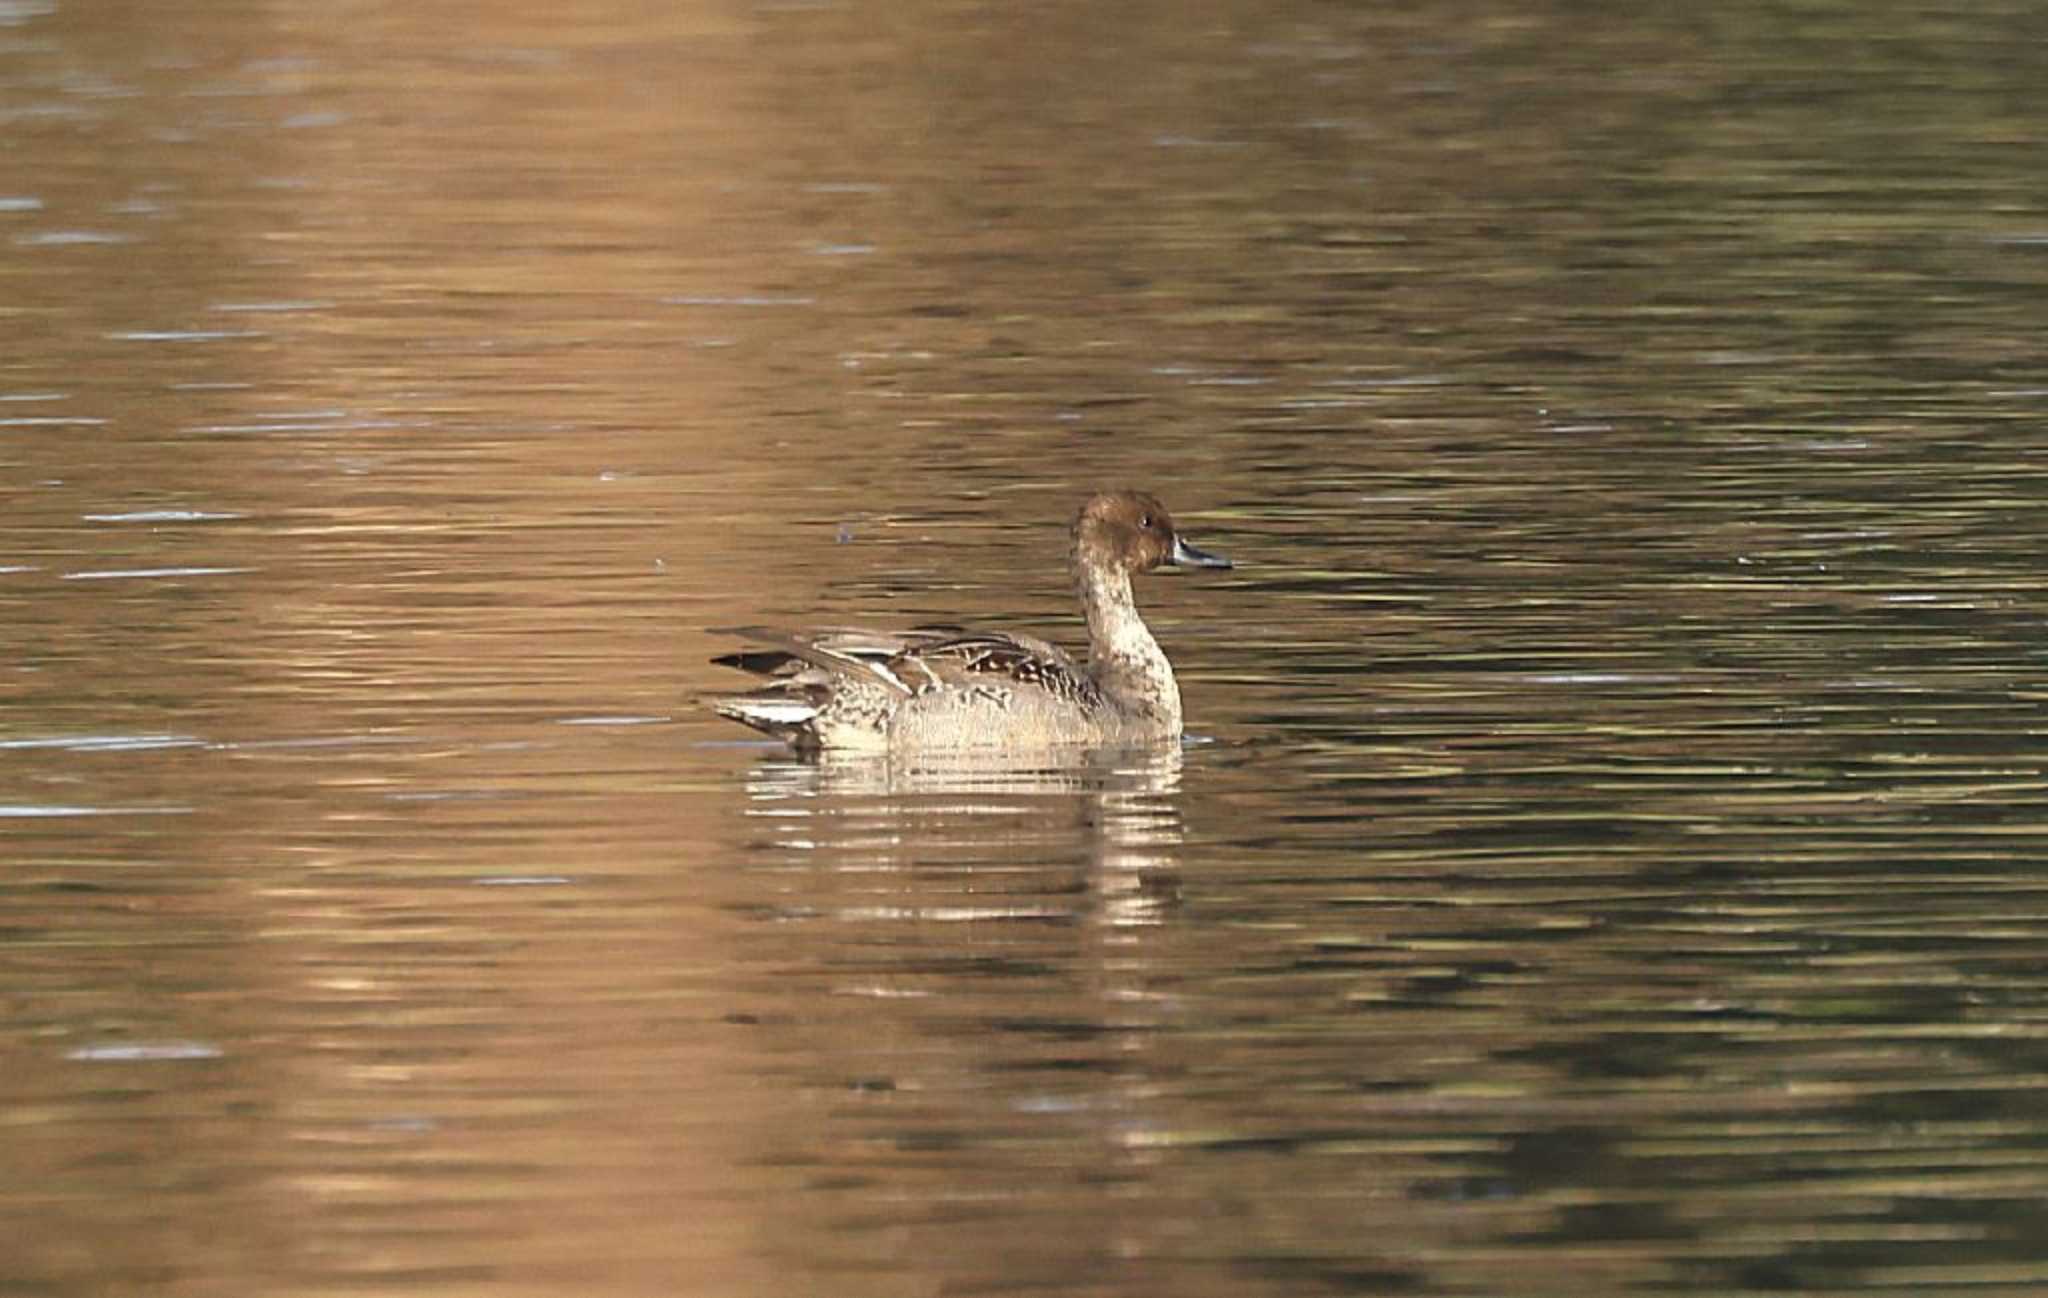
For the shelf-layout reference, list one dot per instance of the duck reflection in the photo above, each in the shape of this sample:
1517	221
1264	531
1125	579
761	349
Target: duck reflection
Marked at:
971	967
965	996
1115	811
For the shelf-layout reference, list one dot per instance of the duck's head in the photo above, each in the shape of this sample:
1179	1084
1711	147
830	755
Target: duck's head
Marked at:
1131	530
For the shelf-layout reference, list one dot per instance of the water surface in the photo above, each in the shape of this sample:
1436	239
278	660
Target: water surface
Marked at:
1607	859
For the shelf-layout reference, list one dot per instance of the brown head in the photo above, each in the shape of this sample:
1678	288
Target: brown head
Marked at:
1131	530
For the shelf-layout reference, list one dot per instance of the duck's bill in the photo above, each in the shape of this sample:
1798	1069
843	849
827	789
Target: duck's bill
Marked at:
1187	556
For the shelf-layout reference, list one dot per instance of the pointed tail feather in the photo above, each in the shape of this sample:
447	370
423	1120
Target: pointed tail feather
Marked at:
785	717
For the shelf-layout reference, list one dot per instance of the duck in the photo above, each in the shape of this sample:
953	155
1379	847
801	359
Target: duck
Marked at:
950	688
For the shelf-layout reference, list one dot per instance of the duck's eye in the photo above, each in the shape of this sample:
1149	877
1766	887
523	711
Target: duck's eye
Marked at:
1144	522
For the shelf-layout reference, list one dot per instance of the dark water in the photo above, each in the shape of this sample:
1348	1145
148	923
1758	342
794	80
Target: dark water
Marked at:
1611	856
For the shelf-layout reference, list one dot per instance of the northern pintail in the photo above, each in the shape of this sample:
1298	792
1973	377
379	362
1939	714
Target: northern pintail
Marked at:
946	688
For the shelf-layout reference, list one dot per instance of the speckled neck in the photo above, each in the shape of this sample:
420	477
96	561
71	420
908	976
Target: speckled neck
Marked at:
1124	659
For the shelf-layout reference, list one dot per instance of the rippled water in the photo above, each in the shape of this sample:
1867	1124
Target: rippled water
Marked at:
1608	855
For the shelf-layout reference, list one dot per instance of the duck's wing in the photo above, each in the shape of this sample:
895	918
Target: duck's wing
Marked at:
849	652
981	655
908	662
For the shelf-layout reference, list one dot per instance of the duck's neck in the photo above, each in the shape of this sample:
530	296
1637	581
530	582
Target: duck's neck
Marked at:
1123	657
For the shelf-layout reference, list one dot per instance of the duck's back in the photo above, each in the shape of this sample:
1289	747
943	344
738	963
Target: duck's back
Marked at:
932	688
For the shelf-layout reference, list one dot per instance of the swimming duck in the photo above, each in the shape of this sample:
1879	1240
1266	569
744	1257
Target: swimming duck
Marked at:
947	688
